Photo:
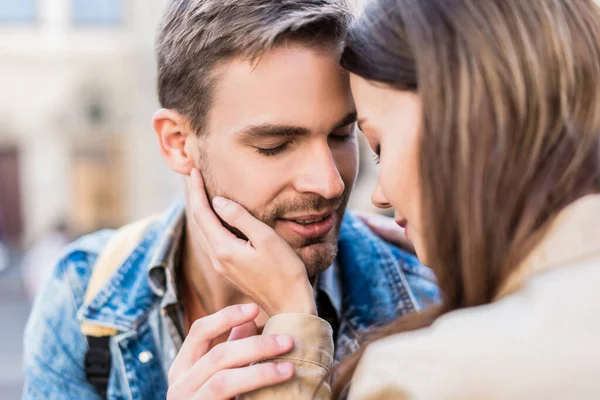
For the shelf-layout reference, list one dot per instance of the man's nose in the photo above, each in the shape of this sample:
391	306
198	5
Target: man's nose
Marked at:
378	199
318	173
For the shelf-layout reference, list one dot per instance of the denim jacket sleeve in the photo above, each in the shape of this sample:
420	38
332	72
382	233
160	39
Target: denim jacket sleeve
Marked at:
54	345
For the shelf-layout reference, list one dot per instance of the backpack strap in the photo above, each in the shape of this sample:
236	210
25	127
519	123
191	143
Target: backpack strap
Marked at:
119	247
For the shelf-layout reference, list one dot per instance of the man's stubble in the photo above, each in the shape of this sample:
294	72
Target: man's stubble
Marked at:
317	254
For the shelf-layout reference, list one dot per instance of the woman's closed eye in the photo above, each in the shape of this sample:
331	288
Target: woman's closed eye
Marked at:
376	154
376	158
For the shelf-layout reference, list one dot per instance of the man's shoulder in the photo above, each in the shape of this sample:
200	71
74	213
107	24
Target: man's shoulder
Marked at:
376	274
79	258
355	234
55	346
357	239
75	265
126	294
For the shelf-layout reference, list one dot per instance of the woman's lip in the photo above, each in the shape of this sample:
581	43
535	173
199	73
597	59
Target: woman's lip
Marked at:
402	223
310	231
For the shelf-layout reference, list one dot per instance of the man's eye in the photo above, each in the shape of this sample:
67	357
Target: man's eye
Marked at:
272	151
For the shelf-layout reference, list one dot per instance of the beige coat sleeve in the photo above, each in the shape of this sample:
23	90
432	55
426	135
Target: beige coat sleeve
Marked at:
312	357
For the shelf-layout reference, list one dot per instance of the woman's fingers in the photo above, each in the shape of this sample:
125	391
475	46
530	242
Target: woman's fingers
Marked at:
228	384
236	354
237	216
204	331
222	372
265	268
204	217
243	331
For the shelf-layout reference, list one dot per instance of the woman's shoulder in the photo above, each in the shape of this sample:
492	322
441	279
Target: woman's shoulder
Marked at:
537	342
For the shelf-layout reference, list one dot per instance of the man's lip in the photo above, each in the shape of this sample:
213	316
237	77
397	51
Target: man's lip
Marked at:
311	231
309	216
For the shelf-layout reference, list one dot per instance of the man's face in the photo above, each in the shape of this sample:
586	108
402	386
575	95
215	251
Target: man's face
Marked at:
280	140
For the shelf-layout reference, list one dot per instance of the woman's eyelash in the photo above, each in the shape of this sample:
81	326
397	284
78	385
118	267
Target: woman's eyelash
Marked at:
376	154
375	158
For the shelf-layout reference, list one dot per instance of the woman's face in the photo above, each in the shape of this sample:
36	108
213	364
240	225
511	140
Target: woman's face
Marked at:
391	121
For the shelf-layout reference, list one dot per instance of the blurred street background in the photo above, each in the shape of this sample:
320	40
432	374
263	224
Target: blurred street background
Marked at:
77	150
14	307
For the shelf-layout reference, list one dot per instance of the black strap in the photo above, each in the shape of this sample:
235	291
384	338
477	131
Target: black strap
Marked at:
97	363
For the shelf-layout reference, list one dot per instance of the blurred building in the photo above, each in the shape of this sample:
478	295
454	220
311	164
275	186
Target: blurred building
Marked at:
78	93
77	97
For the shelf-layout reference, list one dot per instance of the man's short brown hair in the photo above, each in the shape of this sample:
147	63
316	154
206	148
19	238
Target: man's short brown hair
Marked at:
197	35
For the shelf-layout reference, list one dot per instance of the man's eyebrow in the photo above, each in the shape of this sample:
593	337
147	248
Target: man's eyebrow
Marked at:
270	130
347	120
274	130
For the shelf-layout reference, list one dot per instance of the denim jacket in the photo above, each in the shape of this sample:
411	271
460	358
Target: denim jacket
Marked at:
378	282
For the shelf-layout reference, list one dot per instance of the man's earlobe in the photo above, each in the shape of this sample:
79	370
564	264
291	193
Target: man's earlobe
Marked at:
173	131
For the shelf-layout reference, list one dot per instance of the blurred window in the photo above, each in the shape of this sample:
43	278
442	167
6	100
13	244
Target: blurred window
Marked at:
17	10
97	12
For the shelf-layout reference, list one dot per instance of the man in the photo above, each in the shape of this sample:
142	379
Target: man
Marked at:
253	96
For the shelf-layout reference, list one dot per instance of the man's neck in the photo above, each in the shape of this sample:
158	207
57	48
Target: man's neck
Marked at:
204	284
214	291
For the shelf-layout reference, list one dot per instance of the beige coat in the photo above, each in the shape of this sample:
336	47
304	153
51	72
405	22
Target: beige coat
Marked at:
539	340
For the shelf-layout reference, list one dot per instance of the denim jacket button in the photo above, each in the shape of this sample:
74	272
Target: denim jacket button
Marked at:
145	356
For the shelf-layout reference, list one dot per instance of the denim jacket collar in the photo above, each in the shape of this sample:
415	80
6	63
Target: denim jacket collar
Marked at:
124	301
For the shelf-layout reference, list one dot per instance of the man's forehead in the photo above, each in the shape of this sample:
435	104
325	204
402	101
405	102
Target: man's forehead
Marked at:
290	86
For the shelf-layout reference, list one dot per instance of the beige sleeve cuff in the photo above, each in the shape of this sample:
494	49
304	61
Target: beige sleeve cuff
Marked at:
313	337
312	357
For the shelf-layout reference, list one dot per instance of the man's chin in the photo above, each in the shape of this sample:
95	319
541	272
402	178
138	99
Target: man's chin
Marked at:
317	257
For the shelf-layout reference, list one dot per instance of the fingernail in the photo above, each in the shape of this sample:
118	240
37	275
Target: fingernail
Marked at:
283	341
248	308
285	368
219	202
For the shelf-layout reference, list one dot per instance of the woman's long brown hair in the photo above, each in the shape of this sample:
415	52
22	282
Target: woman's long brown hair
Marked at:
510	129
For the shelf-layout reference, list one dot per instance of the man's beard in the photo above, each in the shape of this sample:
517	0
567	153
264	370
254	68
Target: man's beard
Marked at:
317	254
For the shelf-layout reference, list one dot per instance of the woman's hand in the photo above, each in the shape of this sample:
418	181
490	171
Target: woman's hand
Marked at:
265	267
227	370
387	229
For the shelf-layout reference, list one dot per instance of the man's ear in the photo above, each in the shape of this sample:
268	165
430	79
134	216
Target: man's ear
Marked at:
174	132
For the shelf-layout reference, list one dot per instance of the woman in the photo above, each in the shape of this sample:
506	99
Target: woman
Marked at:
485	115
